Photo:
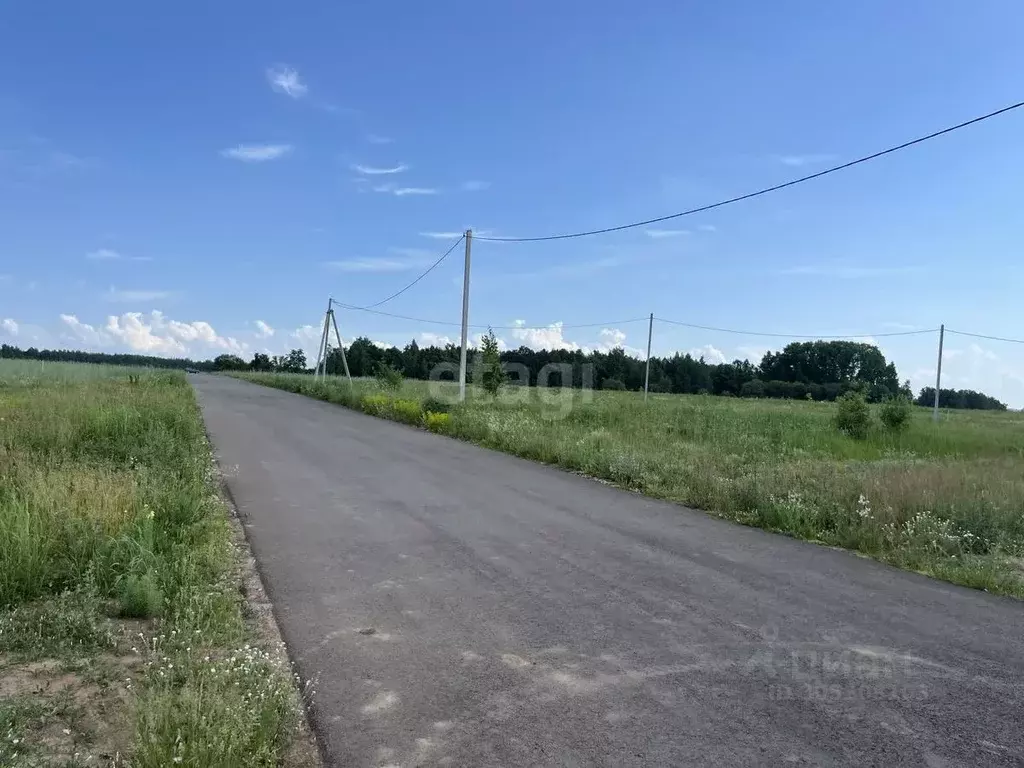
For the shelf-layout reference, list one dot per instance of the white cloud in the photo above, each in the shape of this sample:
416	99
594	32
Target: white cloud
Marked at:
374	138
263	330
307	333
123	296
753	354
371	265
707	228
475	186
709	353
369	170
429	339
107	254
154	334
256	153
84	332
9	327
659	234
549	337
442	235
284	79
414	191
103	254
610	339
799	161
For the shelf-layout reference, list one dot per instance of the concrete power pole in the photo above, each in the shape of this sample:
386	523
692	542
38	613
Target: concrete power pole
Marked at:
465	319
938	373
647	367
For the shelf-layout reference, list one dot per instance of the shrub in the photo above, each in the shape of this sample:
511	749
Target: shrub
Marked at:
752	388
895	413
437	422
613	384
375	405
436	405
140	597
388	378
409	411
853	415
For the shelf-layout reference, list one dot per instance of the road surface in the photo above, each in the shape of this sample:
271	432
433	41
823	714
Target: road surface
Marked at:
460	607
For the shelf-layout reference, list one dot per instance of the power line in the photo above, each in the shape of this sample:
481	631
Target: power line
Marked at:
425	272
760	192
983	336
494	327
796	335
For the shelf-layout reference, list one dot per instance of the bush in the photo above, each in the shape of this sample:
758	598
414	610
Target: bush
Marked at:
436	405
409	411
140	597
375	405
853	415
613	384
895	413
437	422
388	378
752	388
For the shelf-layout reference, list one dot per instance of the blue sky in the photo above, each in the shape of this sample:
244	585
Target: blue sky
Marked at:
222	166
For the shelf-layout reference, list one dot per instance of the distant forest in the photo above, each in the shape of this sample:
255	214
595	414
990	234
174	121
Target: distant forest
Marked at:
813	370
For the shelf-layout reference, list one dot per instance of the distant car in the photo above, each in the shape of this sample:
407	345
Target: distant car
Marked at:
191	370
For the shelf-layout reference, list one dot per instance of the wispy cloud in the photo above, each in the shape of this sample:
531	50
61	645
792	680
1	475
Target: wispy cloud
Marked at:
707	228
414	191
848	271
375	138
800	161
369	170
659	234
371	265
263	330
103	254
107	254
441	235
475	186
256	153
128	296
286	80
413	253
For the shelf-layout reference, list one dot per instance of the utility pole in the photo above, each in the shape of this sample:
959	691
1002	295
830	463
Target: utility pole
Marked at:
647	367
321	353
938	373
341	346
465	319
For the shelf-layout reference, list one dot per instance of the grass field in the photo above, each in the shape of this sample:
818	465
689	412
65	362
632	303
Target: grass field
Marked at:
122	637
944	499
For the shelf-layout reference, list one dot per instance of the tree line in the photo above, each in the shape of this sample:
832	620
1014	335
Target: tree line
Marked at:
809	370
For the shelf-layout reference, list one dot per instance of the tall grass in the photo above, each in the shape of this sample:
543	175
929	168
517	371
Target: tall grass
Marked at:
946	499
106	490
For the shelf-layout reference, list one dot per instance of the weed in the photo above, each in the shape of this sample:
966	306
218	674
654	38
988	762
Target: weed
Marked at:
895	413
140	597
436	422
853	415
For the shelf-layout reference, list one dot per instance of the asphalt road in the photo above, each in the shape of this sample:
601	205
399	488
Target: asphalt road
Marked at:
461	607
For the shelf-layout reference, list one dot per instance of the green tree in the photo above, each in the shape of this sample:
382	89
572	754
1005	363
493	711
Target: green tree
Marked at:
229	363
261	362
492	375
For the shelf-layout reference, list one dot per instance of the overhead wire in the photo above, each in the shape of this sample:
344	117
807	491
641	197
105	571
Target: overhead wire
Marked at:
423	274
795	335
494	327
759	192
983	336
